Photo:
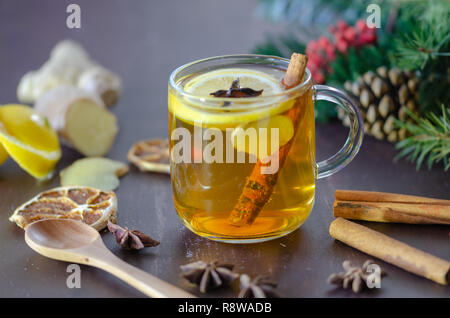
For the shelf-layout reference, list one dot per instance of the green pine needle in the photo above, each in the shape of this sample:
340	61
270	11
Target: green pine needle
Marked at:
427	35
347	67
429	141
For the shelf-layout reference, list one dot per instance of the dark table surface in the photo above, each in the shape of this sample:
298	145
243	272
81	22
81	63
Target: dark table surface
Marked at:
143	41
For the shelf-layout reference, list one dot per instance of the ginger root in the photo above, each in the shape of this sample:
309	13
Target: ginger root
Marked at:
80	118
102	82
69	64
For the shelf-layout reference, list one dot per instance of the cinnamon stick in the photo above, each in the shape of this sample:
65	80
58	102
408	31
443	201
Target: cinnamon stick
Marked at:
390	207
391	251
259	186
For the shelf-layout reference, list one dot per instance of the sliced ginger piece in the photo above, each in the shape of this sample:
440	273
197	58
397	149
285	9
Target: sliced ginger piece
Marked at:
90	128
80	118
91	206
151	155
100	173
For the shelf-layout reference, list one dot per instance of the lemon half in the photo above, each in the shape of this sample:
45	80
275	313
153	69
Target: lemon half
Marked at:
28	138
3	155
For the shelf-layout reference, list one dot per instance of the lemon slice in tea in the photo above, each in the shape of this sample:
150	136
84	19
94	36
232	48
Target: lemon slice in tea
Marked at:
91	206
207	83
262	131
29	140
192	112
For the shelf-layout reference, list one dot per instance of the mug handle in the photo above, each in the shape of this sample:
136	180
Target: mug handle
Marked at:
351	147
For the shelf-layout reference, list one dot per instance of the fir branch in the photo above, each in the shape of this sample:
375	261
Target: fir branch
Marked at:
429	141
427	35
422	43
420	47
347	67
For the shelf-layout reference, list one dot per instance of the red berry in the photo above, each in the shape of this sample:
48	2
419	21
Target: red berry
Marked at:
367	38
311	66
361	25
342	46
331	54
350	34
317	60
339	37
318	77
311	48
341	25
323	42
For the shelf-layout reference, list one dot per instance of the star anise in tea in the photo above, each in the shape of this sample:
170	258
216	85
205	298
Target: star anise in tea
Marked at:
209	275
356	277
236	91
132	240
258	287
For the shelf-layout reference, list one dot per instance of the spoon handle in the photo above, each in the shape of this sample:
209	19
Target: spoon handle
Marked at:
144	282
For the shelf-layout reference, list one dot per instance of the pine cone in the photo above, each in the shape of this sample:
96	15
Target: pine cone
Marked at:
383	96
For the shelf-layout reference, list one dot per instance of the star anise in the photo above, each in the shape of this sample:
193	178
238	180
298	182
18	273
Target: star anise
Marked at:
236	91
209	275
355	276
132	240
258	287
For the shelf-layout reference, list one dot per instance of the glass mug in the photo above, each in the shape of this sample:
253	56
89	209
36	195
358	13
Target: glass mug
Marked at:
217	145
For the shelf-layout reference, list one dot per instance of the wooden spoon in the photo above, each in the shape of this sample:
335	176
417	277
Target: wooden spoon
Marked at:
76	242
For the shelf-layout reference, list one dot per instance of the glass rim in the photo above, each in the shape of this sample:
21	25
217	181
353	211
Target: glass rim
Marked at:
296	89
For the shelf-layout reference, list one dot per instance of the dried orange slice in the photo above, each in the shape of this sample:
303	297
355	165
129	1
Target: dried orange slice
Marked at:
91	206
151	155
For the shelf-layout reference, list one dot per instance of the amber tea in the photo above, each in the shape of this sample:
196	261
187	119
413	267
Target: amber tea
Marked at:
238	135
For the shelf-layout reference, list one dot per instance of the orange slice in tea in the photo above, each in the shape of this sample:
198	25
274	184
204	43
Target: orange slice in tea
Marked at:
151	155
91	206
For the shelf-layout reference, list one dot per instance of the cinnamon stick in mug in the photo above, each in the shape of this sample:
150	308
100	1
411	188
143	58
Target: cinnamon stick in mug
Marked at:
391	251
259	186
390	207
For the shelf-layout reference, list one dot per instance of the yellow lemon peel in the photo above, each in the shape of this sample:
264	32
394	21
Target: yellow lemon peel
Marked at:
29	140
